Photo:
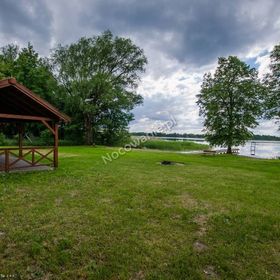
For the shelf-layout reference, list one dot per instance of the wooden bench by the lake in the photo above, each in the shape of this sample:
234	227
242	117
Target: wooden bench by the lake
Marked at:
19	105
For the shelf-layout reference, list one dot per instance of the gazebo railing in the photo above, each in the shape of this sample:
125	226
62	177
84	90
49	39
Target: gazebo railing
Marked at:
26	157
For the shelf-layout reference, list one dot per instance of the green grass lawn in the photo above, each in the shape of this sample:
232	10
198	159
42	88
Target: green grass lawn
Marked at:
172	145
215	217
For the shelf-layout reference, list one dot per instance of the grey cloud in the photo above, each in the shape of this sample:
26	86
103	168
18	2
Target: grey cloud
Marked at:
23	21
194	32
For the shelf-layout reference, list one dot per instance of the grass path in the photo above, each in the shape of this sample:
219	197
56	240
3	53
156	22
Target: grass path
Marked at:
211	218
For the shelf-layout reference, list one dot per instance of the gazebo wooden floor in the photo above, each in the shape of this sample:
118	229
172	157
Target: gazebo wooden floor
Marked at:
23	166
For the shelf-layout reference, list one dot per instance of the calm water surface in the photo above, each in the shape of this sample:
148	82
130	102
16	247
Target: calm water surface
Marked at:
264	149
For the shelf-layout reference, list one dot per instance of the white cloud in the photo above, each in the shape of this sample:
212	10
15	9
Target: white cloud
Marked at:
263	61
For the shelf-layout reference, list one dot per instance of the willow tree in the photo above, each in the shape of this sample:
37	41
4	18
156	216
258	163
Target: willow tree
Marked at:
230	102
99	76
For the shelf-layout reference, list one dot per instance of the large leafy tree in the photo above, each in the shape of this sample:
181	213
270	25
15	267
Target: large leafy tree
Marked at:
99	76
272	81
230	102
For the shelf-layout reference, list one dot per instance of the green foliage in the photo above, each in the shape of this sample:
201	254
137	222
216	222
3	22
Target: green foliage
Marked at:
8	57
117	137
230	102
99	76
46	137
172	145
29	69
2	139
272	81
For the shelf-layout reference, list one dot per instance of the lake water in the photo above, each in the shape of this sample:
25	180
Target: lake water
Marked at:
263	149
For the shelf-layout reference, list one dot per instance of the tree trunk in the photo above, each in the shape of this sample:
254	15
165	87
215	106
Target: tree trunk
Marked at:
88	131
229	151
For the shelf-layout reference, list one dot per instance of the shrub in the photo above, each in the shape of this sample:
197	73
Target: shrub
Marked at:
172	145
3	140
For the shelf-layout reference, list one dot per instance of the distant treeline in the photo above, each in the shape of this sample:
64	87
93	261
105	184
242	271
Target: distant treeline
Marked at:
266	137
160	134
191	135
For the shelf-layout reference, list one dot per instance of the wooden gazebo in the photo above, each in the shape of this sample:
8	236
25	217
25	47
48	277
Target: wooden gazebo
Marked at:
20	105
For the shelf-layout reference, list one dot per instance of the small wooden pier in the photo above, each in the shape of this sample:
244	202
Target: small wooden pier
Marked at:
220	151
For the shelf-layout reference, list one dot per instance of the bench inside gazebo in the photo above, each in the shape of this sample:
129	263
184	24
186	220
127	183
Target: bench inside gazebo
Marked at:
19	105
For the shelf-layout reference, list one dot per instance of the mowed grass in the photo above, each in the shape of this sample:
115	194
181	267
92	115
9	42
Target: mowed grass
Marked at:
170	145
215	217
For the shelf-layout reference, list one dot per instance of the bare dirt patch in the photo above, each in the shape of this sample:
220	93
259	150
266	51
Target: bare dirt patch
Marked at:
74	193
58	201
67	155
188	201
184	200
201	221
199	247
106	200
210	273
138	276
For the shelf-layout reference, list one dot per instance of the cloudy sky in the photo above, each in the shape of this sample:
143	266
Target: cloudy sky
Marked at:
181	38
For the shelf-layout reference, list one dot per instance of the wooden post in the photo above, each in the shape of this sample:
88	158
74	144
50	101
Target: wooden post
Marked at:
55	152
20	139
7	160
32	156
